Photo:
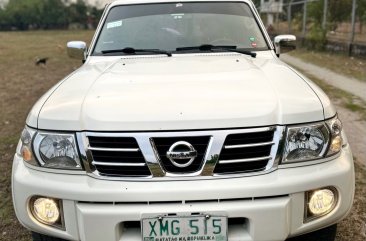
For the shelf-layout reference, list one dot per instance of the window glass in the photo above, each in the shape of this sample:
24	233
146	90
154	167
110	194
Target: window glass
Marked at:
170	26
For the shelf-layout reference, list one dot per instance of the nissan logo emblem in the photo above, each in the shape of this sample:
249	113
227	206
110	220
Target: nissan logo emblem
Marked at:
181	151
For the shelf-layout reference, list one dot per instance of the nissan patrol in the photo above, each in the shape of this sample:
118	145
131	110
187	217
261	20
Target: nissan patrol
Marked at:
181	125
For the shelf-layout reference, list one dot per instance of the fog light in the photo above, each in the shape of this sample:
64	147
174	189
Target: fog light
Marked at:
46	210
320	202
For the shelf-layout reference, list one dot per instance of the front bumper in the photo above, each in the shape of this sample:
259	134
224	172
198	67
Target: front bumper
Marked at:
272	205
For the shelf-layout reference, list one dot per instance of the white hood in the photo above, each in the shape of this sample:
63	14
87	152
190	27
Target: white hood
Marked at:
181	92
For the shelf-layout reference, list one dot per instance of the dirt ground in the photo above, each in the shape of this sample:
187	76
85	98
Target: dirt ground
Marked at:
22	83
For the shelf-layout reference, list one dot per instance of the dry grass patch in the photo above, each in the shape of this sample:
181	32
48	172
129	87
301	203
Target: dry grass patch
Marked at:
341	64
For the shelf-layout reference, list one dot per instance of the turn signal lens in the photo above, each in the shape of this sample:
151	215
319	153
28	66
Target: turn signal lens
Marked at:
26	154
24	148
336	140
336	144
46	210
320	202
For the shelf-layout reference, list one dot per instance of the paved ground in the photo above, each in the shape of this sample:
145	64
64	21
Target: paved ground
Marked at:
348	84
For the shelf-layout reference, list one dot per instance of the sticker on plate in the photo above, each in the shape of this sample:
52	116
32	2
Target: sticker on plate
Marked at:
114	24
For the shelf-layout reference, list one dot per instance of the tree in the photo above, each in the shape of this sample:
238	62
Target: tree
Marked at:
361	13
78	12
23	14
338	11
53	14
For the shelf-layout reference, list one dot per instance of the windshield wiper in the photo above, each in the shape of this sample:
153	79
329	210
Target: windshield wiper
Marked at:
134	51
212	48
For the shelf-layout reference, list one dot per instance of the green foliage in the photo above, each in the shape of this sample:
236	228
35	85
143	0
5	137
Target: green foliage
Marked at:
25	14
338	11
257	3
78	12
46	14
2	17
315	10
316	38
361	10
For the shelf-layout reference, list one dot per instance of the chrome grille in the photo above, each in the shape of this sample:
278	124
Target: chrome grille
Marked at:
163	144
117	156
220	153
245	152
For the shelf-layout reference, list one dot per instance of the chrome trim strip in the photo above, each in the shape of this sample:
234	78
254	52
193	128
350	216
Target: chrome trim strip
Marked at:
245	160
211	158
249	145
119	164
114	149
277	149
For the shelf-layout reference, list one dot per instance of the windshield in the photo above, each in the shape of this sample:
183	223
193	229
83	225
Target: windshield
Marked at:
168	26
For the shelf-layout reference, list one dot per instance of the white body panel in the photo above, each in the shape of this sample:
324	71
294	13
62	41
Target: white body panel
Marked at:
182	92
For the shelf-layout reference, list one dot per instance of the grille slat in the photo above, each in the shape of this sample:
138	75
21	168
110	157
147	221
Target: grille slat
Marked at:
123	171
162	145
249	138
112	142
117	156
127	164
245	160
114	149
249	145
245	152
240	167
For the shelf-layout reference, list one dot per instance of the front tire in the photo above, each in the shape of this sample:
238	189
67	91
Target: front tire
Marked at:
325	234
41	237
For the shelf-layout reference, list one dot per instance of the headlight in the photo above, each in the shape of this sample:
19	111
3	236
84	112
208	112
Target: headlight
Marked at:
51	150
312	141
54	150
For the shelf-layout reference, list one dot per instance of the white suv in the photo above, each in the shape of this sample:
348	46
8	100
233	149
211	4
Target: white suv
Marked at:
182	125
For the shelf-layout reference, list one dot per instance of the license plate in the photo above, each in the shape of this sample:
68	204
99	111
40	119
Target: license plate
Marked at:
190	228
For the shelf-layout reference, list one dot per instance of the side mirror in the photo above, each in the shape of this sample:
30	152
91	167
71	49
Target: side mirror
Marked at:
76	50
284	43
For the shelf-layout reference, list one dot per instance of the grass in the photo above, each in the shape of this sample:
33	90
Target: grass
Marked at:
341	64
22	83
